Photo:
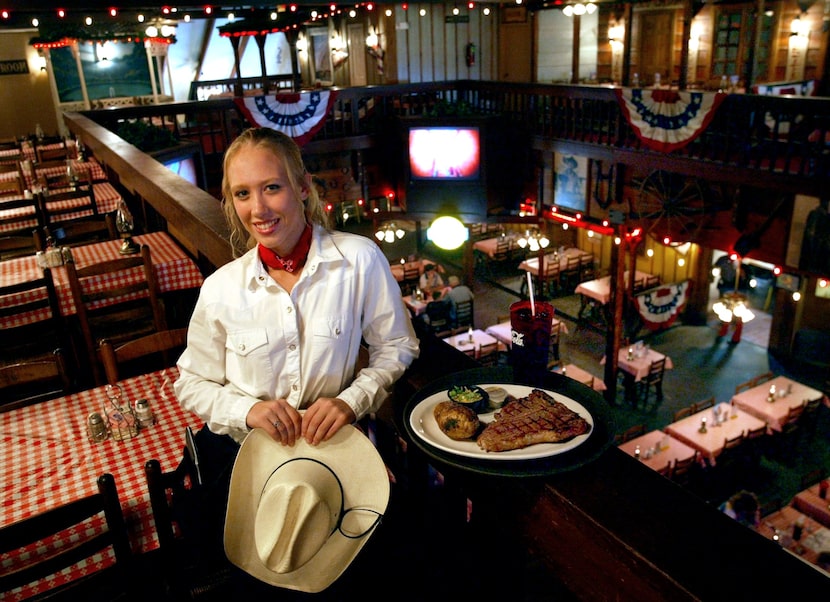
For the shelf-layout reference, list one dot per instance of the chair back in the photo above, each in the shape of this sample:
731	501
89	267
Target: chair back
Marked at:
75	515
162	348
683	413
439	315
57	206
634	431
19	245
52	148
32	381
12	186
680	472
703	404
745	386
655	371
502	249
464	314
30	315
762	378
84	230
488	354
20	216
116	299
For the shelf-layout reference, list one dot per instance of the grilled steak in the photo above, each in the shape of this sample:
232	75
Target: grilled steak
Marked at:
537	418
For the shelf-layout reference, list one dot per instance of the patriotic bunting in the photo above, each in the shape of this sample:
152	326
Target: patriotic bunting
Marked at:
667	120
299	115
659	307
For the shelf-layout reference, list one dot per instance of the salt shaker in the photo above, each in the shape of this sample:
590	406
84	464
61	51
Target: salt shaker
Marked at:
96	428
144	413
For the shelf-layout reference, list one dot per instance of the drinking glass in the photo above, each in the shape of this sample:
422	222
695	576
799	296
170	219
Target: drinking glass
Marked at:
530	328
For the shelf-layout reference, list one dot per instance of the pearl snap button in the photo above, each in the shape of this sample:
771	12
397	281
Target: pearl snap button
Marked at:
292	347
293	387
289	309
242	346
336	331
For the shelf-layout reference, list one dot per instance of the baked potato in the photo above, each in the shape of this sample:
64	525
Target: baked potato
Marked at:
456	421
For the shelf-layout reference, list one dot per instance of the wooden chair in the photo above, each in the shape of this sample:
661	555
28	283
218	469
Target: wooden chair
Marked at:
809	415
55	206
703	404
32	381
762	378
488	354
653	381
164	347
587	268
129	307
682	471
553	344
502	249
745	386
411	277
665	470
24	336
19	245
784	443
180	509
84	230
117	581
683	413
12	186
464	317
551	273
46	149
634	431
569	275
438	313
21	216
754	447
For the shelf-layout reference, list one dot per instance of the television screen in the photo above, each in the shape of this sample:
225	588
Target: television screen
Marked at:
445	153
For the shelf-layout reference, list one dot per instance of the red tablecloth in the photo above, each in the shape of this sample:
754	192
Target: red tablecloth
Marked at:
46	460
174	271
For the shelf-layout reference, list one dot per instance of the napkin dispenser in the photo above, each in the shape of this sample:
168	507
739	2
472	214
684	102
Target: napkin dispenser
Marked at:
53	257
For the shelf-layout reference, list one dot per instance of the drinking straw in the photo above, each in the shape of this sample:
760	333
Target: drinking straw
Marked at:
530	290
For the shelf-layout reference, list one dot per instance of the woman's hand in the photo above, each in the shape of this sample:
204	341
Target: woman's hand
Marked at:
324	418
278	418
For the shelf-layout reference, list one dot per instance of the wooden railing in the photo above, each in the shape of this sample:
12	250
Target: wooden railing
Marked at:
784	139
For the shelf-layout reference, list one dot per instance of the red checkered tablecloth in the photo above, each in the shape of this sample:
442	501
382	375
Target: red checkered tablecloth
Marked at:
174	271
107	199
46	460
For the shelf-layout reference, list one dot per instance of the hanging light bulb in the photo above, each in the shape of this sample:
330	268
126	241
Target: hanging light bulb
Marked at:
447	232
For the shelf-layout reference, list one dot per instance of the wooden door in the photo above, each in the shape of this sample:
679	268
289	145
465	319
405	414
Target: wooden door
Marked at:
655	47
515	52
357	58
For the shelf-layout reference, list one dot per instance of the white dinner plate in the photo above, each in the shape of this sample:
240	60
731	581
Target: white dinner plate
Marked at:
423	424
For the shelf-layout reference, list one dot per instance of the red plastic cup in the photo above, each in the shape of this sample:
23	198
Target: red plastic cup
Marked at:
530	339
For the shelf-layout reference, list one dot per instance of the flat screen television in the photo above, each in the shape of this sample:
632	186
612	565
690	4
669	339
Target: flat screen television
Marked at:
450	153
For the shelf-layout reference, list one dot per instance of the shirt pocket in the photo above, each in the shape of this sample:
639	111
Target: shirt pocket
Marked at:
330	338
246	354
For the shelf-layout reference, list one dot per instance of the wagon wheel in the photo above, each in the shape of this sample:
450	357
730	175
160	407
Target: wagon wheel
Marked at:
673	206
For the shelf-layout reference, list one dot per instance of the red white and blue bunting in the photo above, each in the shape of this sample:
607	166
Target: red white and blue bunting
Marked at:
299	115
667	120
660	306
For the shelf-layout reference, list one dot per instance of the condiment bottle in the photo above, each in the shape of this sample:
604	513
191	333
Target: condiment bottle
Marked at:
144	413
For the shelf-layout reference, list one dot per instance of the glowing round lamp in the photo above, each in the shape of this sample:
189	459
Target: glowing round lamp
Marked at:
447	232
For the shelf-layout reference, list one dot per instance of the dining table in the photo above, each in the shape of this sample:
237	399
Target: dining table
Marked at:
812	544
772	400
657	448
175	271
581	375
489	246
502	331
599	289
702	432
416	306
634	363
47	459
810	502
472	340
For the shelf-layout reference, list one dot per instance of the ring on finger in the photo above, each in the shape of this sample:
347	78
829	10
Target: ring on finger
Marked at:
277	424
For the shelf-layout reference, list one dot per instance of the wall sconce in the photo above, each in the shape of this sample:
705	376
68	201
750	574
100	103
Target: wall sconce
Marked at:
389	232
41	61
302	44
615	36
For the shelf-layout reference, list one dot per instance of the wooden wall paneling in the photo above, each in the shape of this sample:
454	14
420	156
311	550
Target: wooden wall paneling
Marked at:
448	62
401	26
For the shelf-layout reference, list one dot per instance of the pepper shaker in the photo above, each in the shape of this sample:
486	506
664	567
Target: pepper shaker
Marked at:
96	428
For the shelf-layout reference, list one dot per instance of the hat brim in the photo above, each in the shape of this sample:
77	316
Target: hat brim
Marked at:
352	457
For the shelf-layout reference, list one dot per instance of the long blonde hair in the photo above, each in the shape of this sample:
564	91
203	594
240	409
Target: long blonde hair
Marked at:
285	150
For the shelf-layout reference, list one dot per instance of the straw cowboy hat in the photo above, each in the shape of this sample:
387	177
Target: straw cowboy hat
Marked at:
297	516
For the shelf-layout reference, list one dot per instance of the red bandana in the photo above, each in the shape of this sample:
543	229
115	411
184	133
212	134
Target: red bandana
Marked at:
294	260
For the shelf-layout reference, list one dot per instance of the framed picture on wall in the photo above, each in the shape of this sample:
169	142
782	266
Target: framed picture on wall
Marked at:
570	182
